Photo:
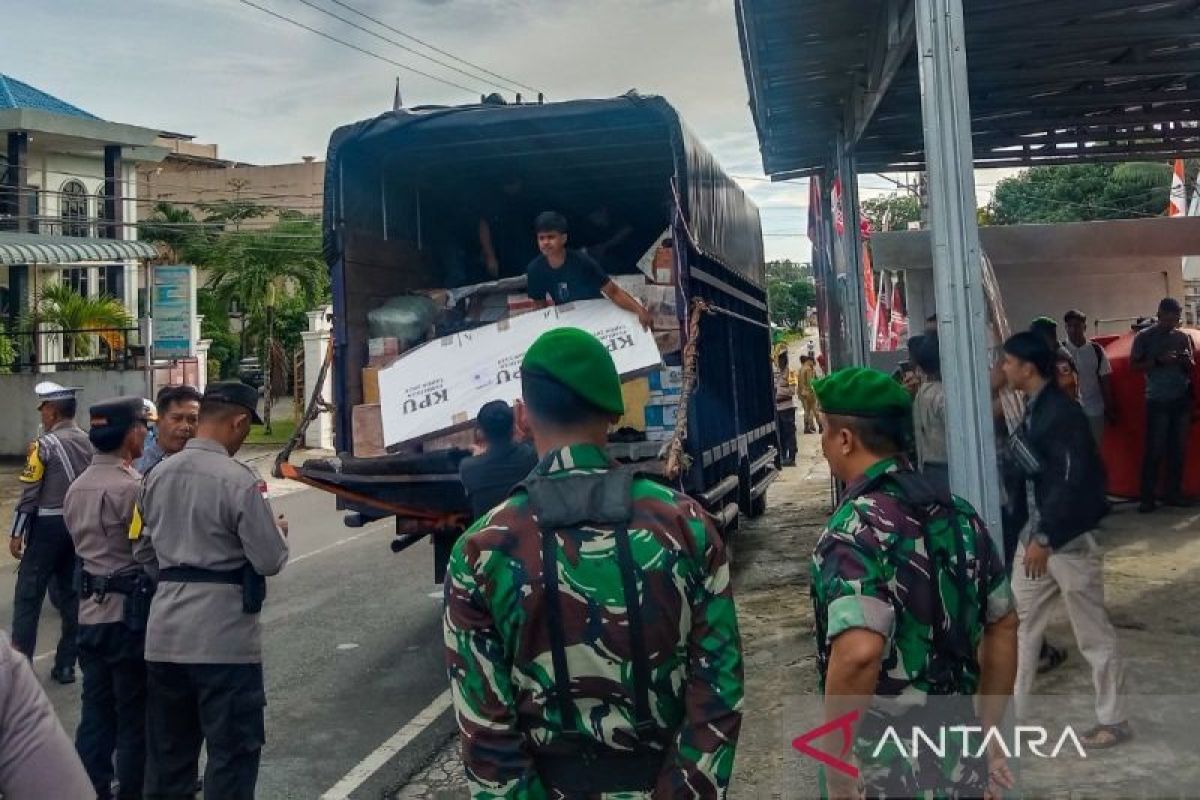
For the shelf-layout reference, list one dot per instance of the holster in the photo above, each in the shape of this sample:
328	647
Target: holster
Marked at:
134	585
254	586
254	590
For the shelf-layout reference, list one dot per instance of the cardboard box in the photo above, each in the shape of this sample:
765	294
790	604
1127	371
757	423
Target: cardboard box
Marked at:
666	378
370	385
383	347
367	423
636	394
668	341
520	303
441	385
661	416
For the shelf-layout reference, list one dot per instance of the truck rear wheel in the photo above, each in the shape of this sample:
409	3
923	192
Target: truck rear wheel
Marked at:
758	506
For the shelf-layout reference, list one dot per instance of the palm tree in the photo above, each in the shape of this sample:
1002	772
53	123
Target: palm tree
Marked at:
258	269
183	238
61	308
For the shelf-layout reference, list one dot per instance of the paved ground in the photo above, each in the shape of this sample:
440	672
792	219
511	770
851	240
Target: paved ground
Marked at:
355	678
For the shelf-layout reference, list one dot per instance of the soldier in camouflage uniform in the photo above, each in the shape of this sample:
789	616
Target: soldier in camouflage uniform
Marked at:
910	600
618	672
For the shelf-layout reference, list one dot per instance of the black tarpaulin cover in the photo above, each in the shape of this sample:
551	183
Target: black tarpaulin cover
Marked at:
580	134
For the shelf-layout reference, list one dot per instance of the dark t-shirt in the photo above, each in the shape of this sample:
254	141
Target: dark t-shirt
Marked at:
1164	382
579	278
490	478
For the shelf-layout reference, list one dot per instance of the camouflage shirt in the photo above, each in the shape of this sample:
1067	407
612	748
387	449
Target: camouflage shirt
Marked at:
871	569
499	658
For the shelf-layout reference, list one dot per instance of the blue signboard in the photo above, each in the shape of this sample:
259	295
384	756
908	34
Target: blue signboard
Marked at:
173	307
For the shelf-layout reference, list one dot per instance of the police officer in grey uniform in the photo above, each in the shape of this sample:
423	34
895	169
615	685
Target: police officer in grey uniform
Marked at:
39	536
114	599
204	524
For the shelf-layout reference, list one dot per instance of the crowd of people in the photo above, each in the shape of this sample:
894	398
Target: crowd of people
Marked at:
591	638
159	556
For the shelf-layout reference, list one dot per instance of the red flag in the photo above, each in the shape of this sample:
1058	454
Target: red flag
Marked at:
1178	206
899	319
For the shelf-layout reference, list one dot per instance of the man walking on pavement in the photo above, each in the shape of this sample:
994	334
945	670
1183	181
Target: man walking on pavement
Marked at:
785	411
178	410
1064	502
205	527
894	646
1095	374
591	639
1168	358
115	597
804	382
39	537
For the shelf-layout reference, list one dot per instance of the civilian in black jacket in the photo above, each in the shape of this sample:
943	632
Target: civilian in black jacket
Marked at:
490	477
1060	502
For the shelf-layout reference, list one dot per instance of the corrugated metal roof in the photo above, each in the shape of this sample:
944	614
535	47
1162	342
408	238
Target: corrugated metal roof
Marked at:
17	94
1051	82
34	248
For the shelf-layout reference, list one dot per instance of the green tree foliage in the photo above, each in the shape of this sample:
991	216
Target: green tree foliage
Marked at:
1082	193
790	293
60	307
892	212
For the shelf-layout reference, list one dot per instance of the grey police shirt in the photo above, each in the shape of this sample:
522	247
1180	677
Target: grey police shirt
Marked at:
37	758
202	508
98	509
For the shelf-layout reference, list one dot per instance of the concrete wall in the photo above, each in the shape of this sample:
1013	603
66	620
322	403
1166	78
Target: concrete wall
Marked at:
1112	271
19	423
298	186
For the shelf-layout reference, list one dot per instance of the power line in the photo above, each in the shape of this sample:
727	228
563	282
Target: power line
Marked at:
406	48
411	38
362	50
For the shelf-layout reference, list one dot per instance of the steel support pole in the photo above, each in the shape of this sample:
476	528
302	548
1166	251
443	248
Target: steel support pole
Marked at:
957	268
857	345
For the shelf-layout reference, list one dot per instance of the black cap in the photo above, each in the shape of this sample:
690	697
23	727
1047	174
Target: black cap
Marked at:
118	413
235	393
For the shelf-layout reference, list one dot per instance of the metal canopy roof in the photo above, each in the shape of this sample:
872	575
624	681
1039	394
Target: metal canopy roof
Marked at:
34	248
1051	81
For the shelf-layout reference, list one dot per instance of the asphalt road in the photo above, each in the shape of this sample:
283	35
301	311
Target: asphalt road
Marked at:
353	651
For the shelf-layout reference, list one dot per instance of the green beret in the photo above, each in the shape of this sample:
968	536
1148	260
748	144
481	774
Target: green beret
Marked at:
579	361
1042	322
861	392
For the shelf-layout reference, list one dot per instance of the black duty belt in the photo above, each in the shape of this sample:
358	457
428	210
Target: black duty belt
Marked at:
101	585
232	577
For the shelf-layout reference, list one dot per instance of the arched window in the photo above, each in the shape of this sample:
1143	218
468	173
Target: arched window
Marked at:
73	209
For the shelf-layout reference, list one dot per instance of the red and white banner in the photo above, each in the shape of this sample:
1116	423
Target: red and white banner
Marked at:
1178	206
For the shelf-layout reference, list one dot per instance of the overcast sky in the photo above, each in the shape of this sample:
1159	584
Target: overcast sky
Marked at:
268	92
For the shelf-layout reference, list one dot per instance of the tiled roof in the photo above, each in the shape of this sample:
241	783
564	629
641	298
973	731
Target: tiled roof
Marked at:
15	94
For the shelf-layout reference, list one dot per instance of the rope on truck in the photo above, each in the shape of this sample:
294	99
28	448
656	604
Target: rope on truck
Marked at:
677	459
316	404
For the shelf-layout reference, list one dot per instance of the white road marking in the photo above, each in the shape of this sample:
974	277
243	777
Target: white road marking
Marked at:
1187	523
333	545
43	656
372	763
348	646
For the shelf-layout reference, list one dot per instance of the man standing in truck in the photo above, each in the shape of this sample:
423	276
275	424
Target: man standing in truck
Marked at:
560	276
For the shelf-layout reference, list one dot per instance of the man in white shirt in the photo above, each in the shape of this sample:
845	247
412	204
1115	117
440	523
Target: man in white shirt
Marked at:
1094	371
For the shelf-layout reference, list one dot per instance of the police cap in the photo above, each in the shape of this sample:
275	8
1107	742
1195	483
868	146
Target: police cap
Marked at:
119	414
579	361
861	392
235	393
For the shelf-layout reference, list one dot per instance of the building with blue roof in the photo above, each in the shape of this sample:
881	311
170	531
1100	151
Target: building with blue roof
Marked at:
68	214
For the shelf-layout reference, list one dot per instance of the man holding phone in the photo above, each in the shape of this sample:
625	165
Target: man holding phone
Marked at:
1168	358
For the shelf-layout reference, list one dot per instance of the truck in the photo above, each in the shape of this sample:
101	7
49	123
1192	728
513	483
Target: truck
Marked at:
401	191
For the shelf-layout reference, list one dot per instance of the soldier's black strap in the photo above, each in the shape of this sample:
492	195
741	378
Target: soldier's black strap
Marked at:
554	623
643	720
200	575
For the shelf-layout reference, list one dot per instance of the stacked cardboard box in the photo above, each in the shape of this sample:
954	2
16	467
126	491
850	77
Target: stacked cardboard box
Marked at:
666	389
